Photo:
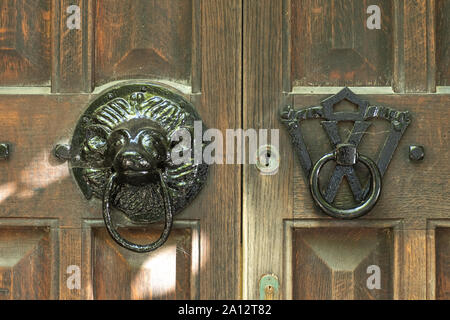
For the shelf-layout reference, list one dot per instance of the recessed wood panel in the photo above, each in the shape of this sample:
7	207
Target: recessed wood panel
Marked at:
336	263
332	46
143	38
443	263
443	42
25	263
119	273
25	48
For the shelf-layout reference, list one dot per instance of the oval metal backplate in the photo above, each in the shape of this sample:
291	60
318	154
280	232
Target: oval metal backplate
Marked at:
118	106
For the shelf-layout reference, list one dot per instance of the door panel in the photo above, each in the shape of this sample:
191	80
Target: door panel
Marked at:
27	249
442	257
442	42
308	53
170	273
25	42
334	260
329	47
152	39
190	47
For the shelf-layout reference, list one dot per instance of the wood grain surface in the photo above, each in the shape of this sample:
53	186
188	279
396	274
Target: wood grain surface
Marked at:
238	62
284	232
25	42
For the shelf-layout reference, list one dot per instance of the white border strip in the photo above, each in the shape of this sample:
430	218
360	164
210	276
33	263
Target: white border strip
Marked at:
333	90
186	89
443	90
183	88
25	90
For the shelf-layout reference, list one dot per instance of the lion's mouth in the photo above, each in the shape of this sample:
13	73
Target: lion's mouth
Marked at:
136	172
138	177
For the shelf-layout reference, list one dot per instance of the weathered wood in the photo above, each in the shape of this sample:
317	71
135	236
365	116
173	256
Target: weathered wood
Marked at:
165	274
172	273
28	254
196	46
25	42
72	69
274	228
266	199
332	263
443	42
311	259
264	59
143	39
411	274
147	40
442	252
70	263
414	49
237	61
220	107
437	258
331	45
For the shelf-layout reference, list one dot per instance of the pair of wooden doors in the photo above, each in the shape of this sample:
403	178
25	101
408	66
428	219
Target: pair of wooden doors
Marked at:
238	62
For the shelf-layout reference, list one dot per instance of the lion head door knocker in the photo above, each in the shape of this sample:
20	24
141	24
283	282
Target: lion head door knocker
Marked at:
121	153
345	153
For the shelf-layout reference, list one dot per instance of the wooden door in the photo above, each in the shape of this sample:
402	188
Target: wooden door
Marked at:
299	52
239	62
55	57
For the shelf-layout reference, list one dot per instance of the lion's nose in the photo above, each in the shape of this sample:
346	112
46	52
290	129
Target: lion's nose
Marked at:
127	162
133	161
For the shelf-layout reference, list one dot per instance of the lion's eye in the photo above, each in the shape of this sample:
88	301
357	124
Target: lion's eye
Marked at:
146	140
96	143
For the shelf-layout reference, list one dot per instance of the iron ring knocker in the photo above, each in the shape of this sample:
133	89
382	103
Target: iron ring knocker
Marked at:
115	234
345	153
351	213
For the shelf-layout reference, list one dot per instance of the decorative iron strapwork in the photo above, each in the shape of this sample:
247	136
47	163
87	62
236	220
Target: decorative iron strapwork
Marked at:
345	153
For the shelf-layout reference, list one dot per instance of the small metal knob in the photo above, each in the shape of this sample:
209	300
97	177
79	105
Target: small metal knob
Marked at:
4	151
62	152
416	152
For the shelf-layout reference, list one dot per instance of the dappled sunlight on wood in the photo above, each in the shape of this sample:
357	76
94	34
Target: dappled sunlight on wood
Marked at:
40	174
6	190
157	275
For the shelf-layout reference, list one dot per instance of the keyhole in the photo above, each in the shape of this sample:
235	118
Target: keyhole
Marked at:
269	290
267	158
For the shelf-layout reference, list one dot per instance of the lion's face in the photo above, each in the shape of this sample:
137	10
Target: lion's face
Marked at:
137	150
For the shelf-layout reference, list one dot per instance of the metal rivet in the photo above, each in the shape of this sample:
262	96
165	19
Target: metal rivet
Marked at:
4	151
62	152
416	152
397	125
346	154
